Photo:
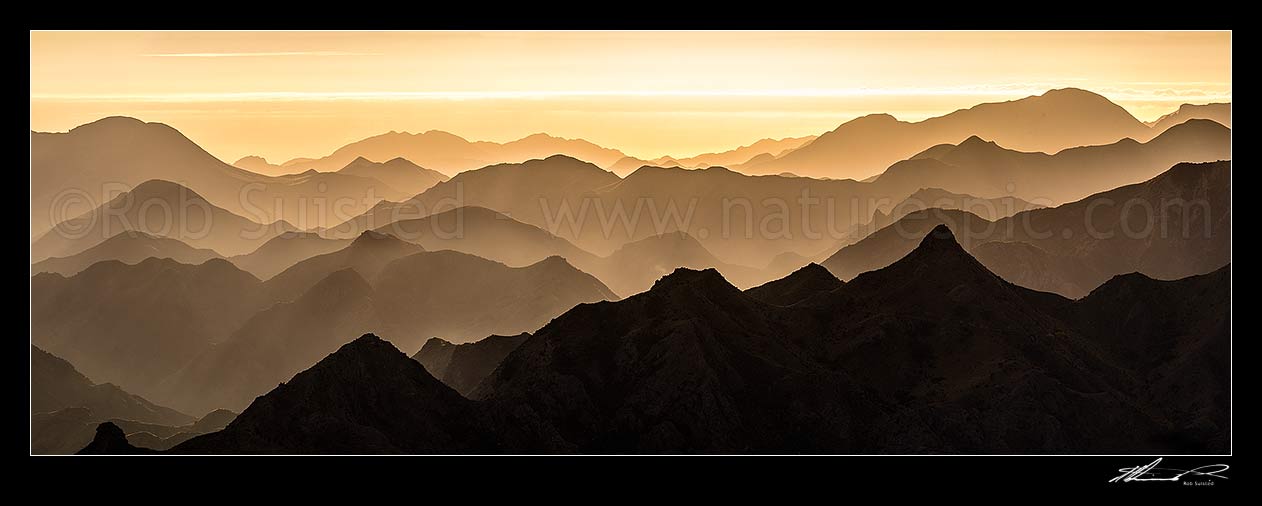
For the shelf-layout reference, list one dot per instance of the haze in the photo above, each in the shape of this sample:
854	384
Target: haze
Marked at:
284	95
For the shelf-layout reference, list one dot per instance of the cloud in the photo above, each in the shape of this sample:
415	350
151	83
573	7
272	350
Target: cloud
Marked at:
258	54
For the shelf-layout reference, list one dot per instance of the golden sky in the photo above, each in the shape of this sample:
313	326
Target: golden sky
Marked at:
290	94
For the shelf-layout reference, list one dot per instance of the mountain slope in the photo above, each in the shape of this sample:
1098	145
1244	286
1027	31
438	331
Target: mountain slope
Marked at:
366	397
160	208
463	366
478	297
488	234
129	247
451	154
56	385
275	344
397	173
928	198
525	191
133	325
1218	113
285	250
983	168
443	293
932	354
1175	225
743	154
635	266
95	160
809	281
366	255
1050	122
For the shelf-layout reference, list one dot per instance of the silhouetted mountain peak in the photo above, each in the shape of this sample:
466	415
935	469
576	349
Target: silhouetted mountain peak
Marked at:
873	119
371	237
808	281
974	141
1072	93
165	190
812	270
110	440
563	158
111	124
684	279
401	161
940	239
1194	126
552	262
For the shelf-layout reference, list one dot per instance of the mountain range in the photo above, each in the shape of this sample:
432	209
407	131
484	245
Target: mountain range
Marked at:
1179	225
982	168
749	220
76	171
129	247
1045	275
932	354
1048	123
377	282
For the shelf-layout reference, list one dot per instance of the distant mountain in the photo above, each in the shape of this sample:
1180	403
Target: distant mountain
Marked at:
97	160
260	165
1175	225
160	208
377	286
285	250
983	168
1049	123
275	344
635	266
630	269
628	165
366	255
809	281
129	247
743	154
56	385
887	245
518	190
366	397
452	154
133	325
1218	113
399	173
463	366
927	198
491	235
1181	224
478	297
749	220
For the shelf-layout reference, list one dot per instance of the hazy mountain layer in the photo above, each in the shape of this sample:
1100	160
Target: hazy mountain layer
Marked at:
157	208
930	354
1048	123
129	247
1175	225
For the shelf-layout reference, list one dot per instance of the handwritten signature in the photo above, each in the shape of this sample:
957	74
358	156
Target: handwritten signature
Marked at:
1151	472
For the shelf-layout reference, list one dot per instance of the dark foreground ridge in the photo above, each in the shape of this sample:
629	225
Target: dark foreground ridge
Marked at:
932	354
